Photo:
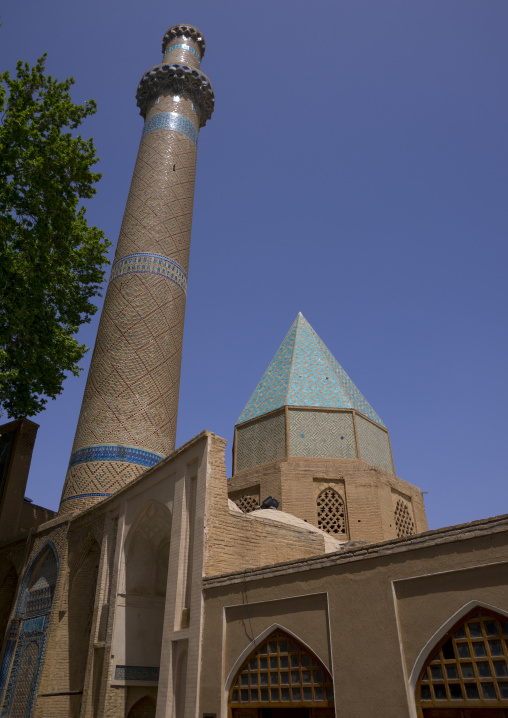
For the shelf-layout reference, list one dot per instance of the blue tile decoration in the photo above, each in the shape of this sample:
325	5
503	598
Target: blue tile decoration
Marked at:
148	262
28	648
115	452
271	391
171	121
136	673
182	47
305	373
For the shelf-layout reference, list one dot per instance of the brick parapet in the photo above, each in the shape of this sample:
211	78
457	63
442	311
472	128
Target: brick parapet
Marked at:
436	537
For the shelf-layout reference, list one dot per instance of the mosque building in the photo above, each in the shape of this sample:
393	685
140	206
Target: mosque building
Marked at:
306	585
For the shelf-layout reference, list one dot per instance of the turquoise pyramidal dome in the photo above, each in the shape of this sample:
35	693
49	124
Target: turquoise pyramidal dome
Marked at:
305	373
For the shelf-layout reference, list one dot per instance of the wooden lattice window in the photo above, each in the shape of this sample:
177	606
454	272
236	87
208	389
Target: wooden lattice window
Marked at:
331	512
403	521
469	668
281	671
247	503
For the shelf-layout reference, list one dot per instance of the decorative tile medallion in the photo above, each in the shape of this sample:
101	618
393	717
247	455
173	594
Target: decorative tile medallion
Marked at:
136	673
181	47
147	262
171	121
110	452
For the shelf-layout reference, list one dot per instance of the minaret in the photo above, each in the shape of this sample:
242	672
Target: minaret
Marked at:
128	416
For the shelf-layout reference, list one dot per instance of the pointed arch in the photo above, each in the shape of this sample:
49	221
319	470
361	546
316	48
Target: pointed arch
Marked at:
27	636
143	708
34	563
302	677
465	663
81	606
146	546
331	511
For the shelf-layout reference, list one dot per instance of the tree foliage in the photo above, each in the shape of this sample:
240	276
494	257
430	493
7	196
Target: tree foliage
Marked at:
52	262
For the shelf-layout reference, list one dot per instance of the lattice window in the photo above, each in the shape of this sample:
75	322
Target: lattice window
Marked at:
403	521
247	503
331	512
282	671
470	667
39	596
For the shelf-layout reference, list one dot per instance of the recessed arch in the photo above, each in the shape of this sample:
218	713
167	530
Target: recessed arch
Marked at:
33	610
278	670
143	708
442	631
146	547
465	665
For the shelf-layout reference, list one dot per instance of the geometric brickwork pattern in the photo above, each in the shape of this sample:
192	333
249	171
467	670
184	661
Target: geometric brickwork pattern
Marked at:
247	503
373	445
403	521
468	669
282	671
331	512
131	396
28	634
305	373
322	434
260	442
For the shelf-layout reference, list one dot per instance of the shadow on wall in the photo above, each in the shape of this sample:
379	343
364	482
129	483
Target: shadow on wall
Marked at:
146	572
144	708
82	588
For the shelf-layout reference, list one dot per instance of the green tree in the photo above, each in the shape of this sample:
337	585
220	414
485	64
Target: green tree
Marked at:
52	263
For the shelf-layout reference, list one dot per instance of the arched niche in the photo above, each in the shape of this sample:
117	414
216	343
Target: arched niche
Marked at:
143	708
81	602
147	551
465	672
281	674
27	634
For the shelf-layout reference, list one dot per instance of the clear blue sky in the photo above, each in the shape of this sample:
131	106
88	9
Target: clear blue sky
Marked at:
355	169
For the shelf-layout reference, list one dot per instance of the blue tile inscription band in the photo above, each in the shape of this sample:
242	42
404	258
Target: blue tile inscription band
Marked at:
150	263
171	121
114	452
136	673
182	47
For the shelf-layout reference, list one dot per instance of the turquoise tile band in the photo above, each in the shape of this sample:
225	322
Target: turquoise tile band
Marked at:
115	452
151	263
182	47
171	121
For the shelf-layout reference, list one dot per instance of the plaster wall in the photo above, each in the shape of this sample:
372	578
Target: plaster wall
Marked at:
383	607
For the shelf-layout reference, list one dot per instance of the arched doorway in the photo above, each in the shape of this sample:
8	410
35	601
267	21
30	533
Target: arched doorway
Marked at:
466	674
281	679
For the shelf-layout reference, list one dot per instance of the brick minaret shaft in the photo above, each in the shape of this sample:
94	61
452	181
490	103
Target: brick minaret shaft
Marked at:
128	416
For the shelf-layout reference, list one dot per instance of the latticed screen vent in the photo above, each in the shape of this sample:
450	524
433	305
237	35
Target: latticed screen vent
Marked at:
331	512
403	521
247	503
